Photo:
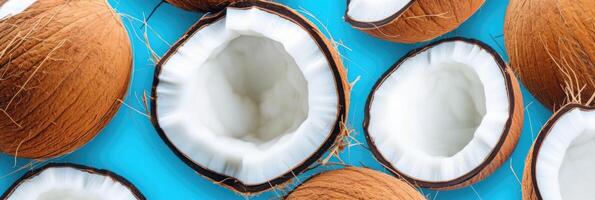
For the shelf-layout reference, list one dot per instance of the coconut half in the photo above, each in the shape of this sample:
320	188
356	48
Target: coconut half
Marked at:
354	183
560	164
409	21
65	66
71	182
250	96
446	115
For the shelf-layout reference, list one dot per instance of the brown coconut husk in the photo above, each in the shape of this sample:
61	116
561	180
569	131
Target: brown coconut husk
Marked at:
420	20
339	131
501	151
202	5
552	48
64	66
354	183
529	187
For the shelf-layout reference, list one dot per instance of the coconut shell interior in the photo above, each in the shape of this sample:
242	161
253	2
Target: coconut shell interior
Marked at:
506	143
64	82
552	49
420	20
354	183
335	63
530	187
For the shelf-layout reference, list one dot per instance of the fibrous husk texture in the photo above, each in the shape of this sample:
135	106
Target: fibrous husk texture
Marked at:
64	67
355	183
424	20
551	45
202	5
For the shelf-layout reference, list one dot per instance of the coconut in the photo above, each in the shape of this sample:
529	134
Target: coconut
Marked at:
251	96
560	163
409	21
552	49
202	5
354	183
64	68
62	181
446	115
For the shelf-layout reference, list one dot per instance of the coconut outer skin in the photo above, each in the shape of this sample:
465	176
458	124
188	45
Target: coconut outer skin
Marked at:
354	183
529	187
551	46
421	20
335	138
202	5
63	83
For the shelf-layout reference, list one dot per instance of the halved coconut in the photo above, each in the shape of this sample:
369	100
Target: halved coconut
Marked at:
250	96
60	181
446	115
355	183
560	164
409	21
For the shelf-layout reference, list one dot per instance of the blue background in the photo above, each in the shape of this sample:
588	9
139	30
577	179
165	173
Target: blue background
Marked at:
130	146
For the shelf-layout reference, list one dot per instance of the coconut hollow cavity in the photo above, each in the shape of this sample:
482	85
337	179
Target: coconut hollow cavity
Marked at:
446	115
250	96
61	181
409	21
560	164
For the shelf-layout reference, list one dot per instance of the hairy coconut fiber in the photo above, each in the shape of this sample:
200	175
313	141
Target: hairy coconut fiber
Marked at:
202	5
64	67
355	183
551	45
421	20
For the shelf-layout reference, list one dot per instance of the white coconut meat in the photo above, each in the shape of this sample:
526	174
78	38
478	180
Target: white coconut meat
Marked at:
250	96
67	183
565	162
14	7
441	113
375	10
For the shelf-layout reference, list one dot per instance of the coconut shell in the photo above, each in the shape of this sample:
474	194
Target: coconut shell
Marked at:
529	184
420	20
202	5
333	57
551	46
355	183
64	69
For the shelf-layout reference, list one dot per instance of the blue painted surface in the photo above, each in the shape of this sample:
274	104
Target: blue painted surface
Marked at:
130	147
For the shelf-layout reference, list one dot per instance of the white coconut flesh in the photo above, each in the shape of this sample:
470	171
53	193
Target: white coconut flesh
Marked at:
375	10
441	113
14	7
250	96
66	183
565	162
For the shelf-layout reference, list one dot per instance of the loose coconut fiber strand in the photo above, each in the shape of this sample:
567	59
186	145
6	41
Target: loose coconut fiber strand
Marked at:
551	44
355	183
64	64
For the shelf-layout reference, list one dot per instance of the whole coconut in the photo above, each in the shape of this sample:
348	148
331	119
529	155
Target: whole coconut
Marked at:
355	183
551	45
65	66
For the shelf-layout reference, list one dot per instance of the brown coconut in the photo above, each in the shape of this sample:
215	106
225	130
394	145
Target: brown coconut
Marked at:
551	46
355	183
420	20
64	67
202	5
